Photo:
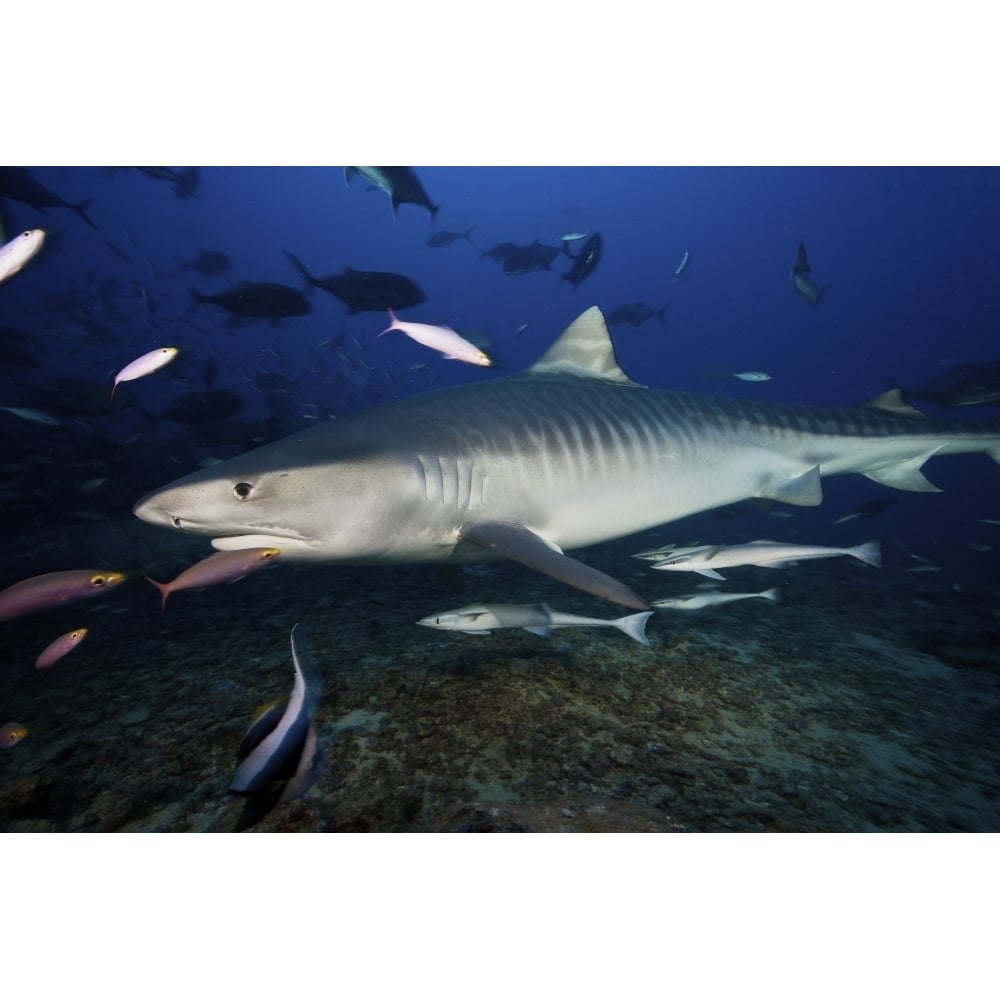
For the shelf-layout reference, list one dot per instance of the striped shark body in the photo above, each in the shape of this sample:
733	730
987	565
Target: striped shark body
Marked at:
567	454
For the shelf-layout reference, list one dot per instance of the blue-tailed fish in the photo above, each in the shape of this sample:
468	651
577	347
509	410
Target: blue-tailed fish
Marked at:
51	590
481	619
151	362
280	746
569	453
221	567
15	254
58	648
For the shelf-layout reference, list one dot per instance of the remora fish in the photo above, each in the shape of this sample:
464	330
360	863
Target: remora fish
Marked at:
568	453
765	553
481	619
280	747
15	254
811	292
401	184
706	599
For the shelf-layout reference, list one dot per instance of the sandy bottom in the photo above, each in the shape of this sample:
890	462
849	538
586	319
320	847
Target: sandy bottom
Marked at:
869	701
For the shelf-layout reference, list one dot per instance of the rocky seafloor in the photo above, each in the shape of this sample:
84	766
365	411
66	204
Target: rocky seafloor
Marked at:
868	701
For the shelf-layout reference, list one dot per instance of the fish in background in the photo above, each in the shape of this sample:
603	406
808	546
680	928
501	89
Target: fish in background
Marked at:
256	300
962	385
585	261
809	291
208	404
439	338
11	734
209	263
148	363
870	508
401	184
58	648
51	590
365	291
17	184
527	259
185	182
764	553
679	274
635	314
279	758
15	254
539	619
444	238
220	567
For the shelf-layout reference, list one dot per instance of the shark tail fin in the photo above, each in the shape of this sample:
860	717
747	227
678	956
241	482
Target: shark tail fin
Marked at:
634	626
869	553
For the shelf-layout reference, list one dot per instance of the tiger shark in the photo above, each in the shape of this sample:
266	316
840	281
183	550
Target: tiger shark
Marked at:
568	453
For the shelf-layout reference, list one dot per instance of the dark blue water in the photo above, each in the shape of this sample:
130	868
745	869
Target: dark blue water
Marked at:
910	258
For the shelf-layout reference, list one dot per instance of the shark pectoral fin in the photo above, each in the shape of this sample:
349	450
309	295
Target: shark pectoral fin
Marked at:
514	541
803	490
906	475
714	574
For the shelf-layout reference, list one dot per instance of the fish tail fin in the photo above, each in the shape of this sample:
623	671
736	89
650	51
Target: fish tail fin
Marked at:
393	324
81	209
164	589
994	452
776	594
466	235
869	553
433	209
196	300
660	314
634	626
115	386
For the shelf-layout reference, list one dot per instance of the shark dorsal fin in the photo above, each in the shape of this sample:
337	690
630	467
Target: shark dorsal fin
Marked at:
583	349
894	401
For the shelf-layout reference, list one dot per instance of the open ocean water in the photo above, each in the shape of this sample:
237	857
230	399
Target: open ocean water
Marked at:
867	700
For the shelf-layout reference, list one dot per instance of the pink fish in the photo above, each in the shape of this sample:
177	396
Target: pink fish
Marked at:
146	365
52	589
60	647
222	567
12	734
440	338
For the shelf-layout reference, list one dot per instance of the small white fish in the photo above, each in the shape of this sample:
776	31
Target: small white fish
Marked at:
692	602
15	254
481	619
145	365
682	266
752	376
440	338
35	416
926	568
92	485
572	237
764	553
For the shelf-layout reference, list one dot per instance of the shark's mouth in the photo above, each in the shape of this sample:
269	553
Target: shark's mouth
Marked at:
286	541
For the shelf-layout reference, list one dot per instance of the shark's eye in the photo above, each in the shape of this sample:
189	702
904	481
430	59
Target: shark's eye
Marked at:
242	491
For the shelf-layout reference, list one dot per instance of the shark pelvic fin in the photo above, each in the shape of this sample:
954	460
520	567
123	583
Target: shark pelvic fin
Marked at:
803	490
583	349
522	545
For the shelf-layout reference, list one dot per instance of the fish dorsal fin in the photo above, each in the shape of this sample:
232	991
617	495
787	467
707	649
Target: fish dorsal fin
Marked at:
583	349
893	401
